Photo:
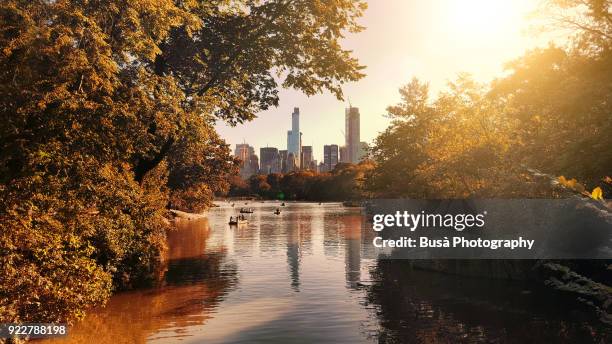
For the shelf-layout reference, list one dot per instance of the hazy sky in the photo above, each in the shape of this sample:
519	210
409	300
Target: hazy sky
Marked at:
433	40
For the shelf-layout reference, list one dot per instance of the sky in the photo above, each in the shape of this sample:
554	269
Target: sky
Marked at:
433	40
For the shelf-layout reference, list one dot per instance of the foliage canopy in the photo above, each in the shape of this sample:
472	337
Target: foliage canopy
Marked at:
108	110
551	113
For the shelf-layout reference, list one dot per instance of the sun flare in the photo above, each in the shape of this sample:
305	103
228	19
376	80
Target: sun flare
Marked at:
470	20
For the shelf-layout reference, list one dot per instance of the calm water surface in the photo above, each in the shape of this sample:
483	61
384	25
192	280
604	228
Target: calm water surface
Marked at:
303	277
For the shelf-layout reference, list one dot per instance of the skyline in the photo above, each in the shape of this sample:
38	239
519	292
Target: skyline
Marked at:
433	41
296	156
122	204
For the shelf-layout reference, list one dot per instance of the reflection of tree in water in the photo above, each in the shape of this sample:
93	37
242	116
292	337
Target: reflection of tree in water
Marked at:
195	283
425	307
208	267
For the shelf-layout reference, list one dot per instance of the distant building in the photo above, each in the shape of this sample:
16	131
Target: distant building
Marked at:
343	154
249	163
282	154
294	137
306	157
270	160
322	167
243	151
292	162
313	166
330	157
253	164
351	131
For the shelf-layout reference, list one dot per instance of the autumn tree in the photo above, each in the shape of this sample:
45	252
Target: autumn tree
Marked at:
563	95
398	150
550	113
108	110
345	182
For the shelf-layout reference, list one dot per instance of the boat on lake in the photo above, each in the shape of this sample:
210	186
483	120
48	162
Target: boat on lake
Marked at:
246	210
237	221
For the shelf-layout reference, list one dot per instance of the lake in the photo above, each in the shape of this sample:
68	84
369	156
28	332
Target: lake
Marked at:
308	275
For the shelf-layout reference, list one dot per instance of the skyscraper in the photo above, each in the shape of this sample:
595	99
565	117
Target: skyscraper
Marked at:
243	151
294	137
306	157
253	164
343	154
292	162
249	163
283	160
330	156
270	160
351	131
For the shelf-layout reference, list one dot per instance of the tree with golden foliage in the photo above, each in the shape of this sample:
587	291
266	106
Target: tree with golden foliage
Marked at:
551	113
108	110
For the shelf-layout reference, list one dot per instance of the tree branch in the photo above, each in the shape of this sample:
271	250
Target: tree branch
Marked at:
145	165
252	37
584	27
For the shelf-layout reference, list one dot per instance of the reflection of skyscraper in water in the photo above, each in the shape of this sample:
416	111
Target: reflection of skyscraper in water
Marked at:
352	242
293	255
331	235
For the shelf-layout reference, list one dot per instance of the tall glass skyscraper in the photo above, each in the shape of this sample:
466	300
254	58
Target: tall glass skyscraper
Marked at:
351	132
294	137
330	157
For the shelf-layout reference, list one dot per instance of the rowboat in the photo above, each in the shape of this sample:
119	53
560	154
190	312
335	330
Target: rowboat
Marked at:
238	222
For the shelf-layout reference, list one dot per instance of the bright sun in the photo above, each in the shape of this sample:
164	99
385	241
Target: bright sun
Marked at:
474	19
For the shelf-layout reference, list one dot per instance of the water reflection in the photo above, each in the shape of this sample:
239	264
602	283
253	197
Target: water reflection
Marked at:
196	282
416	306
293	256
307	276
351	228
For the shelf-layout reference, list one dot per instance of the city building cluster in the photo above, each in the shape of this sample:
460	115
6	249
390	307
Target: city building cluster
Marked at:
297	157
